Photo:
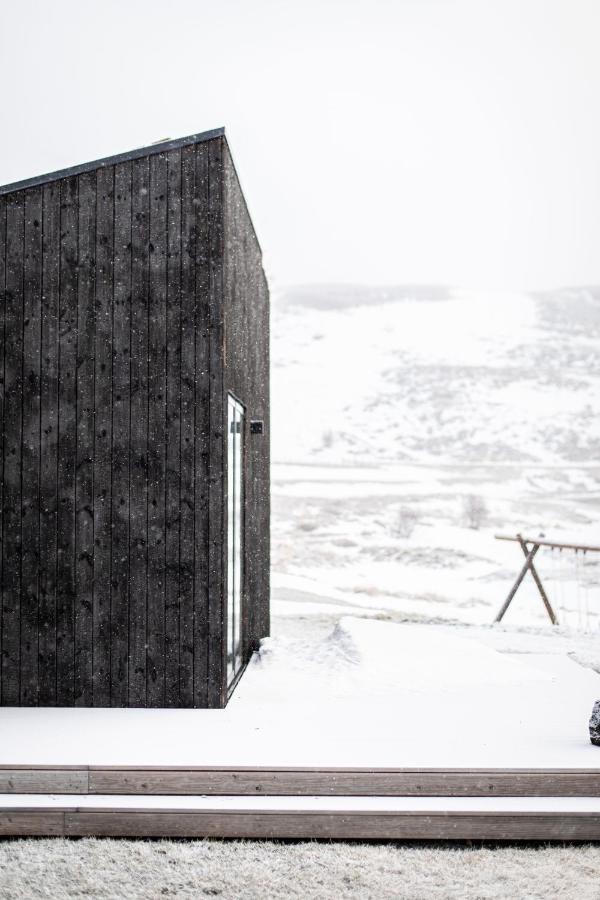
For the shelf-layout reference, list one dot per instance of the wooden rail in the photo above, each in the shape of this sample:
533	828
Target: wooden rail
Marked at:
542	542
299	781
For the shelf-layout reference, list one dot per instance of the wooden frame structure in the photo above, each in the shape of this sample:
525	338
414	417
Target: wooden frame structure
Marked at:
254	802
133	303
530	547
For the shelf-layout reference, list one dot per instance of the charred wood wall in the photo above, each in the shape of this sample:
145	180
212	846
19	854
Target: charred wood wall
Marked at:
112	487
246	374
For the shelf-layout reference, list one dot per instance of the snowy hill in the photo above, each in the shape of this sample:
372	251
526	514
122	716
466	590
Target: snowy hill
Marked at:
399	411
435	375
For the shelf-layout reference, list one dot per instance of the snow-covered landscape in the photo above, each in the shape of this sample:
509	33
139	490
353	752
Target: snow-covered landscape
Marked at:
343	255
412	425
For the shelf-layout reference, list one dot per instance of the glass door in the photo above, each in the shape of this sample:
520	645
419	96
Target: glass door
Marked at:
235	458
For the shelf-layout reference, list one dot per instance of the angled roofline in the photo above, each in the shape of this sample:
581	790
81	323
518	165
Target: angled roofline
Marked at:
161	147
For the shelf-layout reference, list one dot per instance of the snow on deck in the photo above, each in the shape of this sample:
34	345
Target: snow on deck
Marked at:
229	803
369	694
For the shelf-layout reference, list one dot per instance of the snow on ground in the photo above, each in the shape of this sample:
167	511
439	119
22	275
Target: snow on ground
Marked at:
358	692
362	657
410	425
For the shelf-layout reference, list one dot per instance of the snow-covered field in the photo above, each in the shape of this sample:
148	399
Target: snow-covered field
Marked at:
410	425
357	693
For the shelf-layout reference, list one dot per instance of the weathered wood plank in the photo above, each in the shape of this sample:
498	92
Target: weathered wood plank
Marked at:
539	585
341	782
156	431
13	394
84	473
34	823
189	652
342	825
103	433
67	438
120	438
196	255
43	781
174	376
2	389
191	612
49	443
541	542
253	781
217	644
138	456
32	319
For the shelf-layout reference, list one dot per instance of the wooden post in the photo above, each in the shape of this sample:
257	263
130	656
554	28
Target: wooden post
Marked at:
537	580
520	578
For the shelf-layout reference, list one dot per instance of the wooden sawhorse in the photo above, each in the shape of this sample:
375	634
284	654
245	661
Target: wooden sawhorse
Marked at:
528	564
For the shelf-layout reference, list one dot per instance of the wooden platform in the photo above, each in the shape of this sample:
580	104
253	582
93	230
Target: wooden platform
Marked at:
298	782
551	818
480	762
343	803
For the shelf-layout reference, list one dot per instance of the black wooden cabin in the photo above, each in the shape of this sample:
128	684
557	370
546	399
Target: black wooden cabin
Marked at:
135	431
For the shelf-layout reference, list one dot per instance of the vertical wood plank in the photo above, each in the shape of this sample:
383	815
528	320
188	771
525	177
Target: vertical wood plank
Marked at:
32	283
217	645
13	392
84	474
138	457
188	386
156	431
103	433
2	391
259	507
120	438
247	375
67	438
173	418
199	253
49	442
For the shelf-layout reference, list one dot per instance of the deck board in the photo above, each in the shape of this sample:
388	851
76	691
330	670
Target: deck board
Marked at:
550	818
297	782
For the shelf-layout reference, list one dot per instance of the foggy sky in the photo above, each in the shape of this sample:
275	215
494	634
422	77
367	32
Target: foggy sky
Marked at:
425	141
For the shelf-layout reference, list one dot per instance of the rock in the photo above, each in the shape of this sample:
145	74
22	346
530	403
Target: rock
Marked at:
595	724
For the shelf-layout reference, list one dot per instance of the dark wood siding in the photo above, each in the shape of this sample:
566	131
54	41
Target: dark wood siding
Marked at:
210	178
84	469
32	317
138	451
114	328
13	423
246	375
49	443
2	408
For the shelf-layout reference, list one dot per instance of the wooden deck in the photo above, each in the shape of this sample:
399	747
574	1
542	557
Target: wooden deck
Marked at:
508	762
378	818
298	782
252	802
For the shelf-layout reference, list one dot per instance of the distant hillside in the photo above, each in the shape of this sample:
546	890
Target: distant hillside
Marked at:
342	296
434	374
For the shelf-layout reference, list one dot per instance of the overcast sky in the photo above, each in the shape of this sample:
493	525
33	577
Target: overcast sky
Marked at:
427	141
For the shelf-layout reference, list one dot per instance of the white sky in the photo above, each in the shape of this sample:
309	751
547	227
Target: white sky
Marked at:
384	141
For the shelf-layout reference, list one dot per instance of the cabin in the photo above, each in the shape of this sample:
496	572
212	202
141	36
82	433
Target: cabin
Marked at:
135	432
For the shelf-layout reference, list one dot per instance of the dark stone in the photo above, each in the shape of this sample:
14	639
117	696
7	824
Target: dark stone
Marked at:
595	724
